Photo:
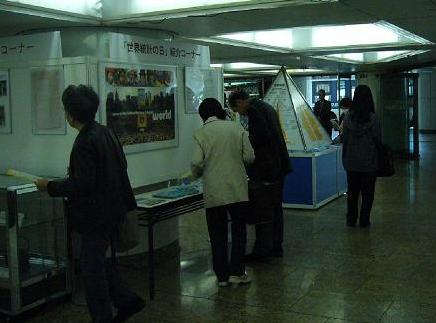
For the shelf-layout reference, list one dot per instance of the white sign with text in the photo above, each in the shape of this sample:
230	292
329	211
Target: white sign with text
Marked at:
31	47
140	49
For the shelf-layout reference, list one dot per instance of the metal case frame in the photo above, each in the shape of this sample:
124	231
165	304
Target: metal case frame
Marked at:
25	293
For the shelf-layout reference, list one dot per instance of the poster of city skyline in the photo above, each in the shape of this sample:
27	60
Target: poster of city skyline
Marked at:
140	106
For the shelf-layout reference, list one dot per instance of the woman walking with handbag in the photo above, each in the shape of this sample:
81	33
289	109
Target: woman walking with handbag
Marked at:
361	133
221	149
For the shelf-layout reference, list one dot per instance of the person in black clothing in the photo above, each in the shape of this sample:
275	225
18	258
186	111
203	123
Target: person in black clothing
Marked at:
99	195
323	111
344	106
361	133
270	166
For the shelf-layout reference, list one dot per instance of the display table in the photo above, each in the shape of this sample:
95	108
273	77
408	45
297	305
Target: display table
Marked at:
317	178
153	210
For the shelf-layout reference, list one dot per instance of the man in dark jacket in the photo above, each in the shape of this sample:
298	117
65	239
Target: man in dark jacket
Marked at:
323	111
99	195
270	166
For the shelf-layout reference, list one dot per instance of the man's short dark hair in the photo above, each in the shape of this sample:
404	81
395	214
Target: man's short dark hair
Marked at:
80	102
237	95
321	91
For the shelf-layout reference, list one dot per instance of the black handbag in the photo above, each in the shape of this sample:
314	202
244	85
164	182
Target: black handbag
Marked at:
385	160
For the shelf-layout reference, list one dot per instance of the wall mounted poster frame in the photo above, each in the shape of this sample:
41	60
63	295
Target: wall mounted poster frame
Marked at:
214	83
194	89
139	103
5	105
201	83
47	85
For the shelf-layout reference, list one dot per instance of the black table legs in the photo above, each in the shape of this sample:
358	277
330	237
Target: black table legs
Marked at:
151	259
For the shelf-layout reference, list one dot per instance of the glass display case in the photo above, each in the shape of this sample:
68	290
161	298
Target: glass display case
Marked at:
33	247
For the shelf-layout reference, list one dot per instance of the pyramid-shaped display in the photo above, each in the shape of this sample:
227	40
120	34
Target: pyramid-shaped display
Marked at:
301	128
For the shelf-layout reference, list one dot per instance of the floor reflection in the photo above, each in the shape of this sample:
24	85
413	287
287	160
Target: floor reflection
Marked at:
329	272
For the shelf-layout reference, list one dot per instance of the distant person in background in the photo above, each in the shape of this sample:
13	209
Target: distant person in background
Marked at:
361	132
221	151
269	168
323	111
344	105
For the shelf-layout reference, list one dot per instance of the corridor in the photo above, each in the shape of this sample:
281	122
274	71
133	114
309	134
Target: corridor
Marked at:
329	272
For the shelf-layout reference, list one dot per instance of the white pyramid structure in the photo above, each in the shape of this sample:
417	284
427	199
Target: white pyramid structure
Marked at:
301	128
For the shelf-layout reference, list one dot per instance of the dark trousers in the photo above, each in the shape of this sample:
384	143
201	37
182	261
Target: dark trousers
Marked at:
217	224
278	225
270	235
103	286
360	183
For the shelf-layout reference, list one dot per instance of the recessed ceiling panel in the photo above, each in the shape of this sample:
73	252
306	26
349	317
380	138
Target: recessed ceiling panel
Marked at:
355	38
162	9
324	37
373	57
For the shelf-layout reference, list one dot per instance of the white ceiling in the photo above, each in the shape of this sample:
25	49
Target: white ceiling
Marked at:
417	16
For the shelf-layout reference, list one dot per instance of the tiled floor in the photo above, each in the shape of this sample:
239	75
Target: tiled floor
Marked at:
329	273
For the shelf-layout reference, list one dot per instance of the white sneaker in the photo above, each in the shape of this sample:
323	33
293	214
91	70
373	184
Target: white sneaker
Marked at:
223	284
242	279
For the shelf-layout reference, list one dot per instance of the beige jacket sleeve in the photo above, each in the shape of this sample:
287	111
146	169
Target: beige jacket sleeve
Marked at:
247	149
197	161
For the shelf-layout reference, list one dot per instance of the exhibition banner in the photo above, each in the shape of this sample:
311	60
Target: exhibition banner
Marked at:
314	135
140	105
278	96
31	47
301	129
140	49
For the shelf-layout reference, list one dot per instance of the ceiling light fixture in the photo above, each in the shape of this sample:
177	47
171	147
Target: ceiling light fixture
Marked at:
335	42
151	10
90	8
371	57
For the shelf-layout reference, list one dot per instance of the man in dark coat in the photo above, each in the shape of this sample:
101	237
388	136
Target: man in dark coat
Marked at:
323	111
270	166
99	195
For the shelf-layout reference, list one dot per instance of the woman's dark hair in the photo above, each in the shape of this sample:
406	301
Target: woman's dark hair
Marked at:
237	95
211	107
80	102
345	102
363	104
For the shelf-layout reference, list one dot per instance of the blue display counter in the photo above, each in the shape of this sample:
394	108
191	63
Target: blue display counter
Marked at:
318	178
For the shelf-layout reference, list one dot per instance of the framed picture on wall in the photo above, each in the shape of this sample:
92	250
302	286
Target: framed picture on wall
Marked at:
194	89
139	103
47	85
5	106
201	83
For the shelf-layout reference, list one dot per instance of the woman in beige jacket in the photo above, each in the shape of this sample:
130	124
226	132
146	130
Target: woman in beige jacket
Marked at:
221	149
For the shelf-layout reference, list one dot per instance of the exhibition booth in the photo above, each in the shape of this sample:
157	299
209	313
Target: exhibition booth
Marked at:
318	175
